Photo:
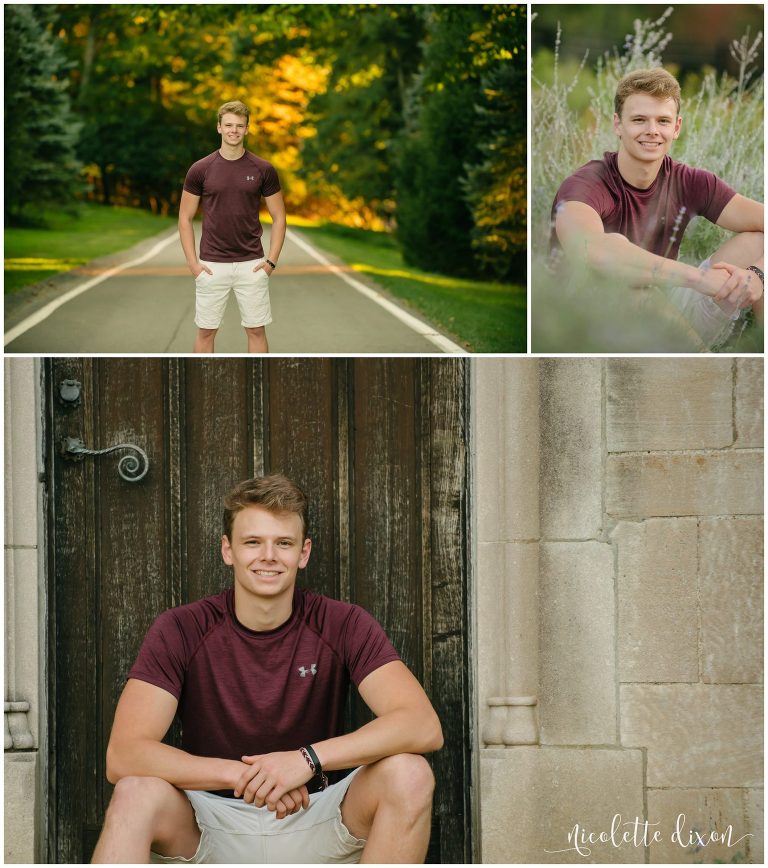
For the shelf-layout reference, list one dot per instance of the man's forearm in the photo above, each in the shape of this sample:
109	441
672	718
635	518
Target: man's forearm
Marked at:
615	255
187	236
276	238
397	732
149	758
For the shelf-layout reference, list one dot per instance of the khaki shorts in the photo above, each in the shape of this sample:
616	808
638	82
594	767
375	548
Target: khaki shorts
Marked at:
251	289
235	832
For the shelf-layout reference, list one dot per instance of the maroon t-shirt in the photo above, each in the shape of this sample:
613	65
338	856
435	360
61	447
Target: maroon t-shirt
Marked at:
231	192
646	217
244	692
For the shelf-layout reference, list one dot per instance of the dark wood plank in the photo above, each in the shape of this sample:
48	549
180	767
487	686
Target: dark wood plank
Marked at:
219	438
302	446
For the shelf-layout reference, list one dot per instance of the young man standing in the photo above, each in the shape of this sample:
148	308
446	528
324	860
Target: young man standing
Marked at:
626	214
231	182
259	676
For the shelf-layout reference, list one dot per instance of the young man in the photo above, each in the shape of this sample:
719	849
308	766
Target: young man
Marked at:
626	214
231	182
258	676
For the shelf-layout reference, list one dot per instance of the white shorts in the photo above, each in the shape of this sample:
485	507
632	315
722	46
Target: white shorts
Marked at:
708	319
235	832
251	290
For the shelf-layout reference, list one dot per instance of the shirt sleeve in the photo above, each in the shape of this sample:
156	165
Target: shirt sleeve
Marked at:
586	186
163	656
707	193
271	183
366	646
193	183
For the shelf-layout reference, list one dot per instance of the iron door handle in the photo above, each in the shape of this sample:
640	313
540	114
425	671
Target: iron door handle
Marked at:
132	467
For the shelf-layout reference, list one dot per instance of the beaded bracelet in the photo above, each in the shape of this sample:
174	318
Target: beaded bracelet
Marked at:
314	764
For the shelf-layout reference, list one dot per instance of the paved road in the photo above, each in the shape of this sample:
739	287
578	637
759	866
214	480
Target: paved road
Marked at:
142	301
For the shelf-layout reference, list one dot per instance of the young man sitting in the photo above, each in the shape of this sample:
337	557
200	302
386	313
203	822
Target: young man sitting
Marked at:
259	675
625	215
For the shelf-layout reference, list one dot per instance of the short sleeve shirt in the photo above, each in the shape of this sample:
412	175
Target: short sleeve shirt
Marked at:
244	692
231	192
654	219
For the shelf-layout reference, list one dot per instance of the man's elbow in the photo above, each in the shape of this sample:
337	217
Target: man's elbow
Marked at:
116	764
433	735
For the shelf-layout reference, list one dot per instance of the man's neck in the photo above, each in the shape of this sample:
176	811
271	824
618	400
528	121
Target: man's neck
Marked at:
262	613
638	174
231	153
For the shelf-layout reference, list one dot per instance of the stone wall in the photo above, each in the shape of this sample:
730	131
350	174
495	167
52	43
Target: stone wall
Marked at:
649	609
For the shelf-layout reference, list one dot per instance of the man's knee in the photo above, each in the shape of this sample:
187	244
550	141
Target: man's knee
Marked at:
408	780
256	331
140	794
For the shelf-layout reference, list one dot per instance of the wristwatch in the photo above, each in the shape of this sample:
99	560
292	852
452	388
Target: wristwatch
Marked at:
269	262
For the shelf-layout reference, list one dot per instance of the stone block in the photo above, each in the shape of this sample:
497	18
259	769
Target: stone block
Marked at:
571	448
659	404
731	583
506	424
20	808
698	826
531	799
749	419
577	703
21	453
754	801
696	735
657	633
679	484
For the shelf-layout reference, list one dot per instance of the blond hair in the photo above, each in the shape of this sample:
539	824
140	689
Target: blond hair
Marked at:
275	493
235	107
655	82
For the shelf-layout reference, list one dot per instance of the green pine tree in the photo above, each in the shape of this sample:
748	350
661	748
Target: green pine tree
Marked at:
40	129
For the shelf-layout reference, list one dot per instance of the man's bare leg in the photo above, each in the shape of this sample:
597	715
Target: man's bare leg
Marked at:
204	340
744	249
146	814
257	339
389	803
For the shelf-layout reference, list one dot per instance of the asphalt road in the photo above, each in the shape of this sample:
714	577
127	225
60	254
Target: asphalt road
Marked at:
143	301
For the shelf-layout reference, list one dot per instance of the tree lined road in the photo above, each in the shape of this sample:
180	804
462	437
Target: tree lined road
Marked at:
318	306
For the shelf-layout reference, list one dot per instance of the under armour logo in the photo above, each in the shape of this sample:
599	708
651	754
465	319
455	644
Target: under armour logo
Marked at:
303	671
250	177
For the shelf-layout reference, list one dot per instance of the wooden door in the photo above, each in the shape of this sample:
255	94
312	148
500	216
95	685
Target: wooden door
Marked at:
379	445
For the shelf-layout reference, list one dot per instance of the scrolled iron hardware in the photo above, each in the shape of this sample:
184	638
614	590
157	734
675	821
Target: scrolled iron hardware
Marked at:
132	468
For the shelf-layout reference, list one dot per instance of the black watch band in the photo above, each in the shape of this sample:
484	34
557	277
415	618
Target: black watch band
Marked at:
758	272
269	262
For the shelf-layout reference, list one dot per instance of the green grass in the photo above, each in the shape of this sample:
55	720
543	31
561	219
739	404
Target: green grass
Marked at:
483	316
61	241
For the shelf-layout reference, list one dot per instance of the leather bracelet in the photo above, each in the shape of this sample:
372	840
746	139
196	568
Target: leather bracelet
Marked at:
269	262
314	764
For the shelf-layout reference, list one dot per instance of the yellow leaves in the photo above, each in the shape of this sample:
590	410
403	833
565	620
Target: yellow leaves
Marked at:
140	19
361	78
80	29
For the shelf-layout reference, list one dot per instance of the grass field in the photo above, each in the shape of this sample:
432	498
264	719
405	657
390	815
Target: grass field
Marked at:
59	242
483	316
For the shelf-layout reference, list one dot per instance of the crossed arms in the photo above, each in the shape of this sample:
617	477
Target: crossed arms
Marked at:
581	233
405	723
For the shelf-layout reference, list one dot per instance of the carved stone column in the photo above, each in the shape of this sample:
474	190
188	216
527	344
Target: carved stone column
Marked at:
22	617
506	438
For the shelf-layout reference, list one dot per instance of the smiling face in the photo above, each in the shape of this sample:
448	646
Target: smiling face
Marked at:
232	129
647	127
266	550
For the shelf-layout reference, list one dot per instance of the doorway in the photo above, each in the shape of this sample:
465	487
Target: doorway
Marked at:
380	447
